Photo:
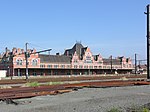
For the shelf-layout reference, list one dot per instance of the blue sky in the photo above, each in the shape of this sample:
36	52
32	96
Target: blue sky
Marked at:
108	27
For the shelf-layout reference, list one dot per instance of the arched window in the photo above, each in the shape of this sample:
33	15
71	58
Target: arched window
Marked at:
34	62
19	61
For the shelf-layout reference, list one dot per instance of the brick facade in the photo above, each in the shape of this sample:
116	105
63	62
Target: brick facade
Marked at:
78	60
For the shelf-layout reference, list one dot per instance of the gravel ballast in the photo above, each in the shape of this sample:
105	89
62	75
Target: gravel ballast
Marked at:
84	100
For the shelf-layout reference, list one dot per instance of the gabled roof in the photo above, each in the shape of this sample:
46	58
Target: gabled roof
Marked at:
54	58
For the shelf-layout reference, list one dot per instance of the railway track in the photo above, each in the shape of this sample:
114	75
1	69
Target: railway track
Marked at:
26	92
68	78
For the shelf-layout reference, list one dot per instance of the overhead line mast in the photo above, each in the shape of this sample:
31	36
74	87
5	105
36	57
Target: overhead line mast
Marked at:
26	58
148	42
27	55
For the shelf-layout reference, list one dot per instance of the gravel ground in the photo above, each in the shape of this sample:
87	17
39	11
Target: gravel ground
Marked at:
84	100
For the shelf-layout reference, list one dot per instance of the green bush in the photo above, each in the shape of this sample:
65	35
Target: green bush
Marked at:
145	110
139	109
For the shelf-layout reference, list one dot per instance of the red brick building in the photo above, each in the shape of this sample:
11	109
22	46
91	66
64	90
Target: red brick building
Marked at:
78	60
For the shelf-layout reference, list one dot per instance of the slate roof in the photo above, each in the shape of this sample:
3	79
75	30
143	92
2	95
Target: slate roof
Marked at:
78	47
54	58
114	61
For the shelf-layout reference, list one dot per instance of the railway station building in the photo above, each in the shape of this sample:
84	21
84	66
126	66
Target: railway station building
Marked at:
78	60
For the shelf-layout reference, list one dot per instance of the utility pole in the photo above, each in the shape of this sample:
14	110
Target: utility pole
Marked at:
148	42
135	64
111	63
26	58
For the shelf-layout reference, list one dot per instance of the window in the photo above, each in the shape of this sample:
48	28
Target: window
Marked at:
41	73
100	67
95	67
91	67
80	66
19	62
108	67
34	74
85	66
68	66
42	66
49	66
88	59
62	66
55	66
75	66
75	61
34	62
100	62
